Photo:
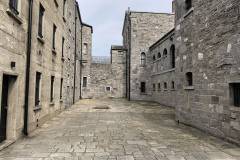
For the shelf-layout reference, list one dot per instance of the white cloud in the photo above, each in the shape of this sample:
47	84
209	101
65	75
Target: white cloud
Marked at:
107	17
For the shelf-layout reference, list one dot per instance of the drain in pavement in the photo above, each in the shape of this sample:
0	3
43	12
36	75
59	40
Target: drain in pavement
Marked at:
101	107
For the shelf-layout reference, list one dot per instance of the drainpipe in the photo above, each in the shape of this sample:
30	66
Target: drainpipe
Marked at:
75	54
126	74
25	129
129	32
81	65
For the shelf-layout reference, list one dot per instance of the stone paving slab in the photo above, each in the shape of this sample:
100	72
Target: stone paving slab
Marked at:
125	131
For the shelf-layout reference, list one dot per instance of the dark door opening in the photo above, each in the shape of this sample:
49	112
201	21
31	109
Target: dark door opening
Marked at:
4	105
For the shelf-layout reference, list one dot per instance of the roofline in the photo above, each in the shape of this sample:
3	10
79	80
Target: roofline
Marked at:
123	49
79	12
87	25
143	12
167	34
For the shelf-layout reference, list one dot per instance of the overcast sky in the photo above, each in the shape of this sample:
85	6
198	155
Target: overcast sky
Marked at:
107	17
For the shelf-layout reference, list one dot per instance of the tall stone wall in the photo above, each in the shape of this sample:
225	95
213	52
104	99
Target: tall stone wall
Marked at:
140	33
163	74
107	75
208	38
13	33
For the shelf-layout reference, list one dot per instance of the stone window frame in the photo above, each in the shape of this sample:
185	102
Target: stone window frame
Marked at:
41	23
84	81
61	89
15	12
52	89
108	89
154	87
85	50
159	55
159	86
172	56
38	88
234	94
143	60
165	86
165	52
143	87
189	85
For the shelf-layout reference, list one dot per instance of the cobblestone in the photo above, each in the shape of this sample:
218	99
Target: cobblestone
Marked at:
126	131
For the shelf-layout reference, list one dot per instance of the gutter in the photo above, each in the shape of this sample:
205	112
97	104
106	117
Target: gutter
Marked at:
75	54
29	44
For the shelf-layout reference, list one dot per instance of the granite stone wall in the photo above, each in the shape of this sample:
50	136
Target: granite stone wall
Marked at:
207	42
139	33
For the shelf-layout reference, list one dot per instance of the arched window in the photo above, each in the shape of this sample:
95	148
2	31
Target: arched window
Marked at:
143	59
172	58
154	58
165	52
159	55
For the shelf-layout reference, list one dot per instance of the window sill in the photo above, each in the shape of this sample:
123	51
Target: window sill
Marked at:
143	93
14	16
54	51
64	19
234	108
159	90
188	87
143	66
172	89
40	40
51	103
56	3
188	12
35	108
165	89
154	90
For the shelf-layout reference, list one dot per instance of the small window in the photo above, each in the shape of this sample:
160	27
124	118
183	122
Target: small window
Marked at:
37	88
159	86
165	52
54	33
154	87
165	85
84	81
189	77
52	88
85	48
235	94
143	59
172	85
13	5
154	58
172	51
108	89
120	57
143	87
188	4
40	22
61	85
63	41
159	55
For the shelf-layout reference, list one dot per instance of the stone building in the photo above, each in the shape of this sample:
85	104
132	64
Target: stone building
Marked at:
107	80
39	67
140	31
208	65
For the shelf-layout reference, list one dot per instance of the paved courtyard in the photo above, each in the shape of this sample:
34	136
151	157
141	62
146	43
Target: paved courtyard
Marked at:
126	131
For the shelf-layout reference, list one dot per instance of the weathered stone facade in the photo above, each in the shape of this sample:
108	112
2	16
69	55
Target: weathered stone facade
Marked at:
107	80
140	31
54	62
163	70
207	42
